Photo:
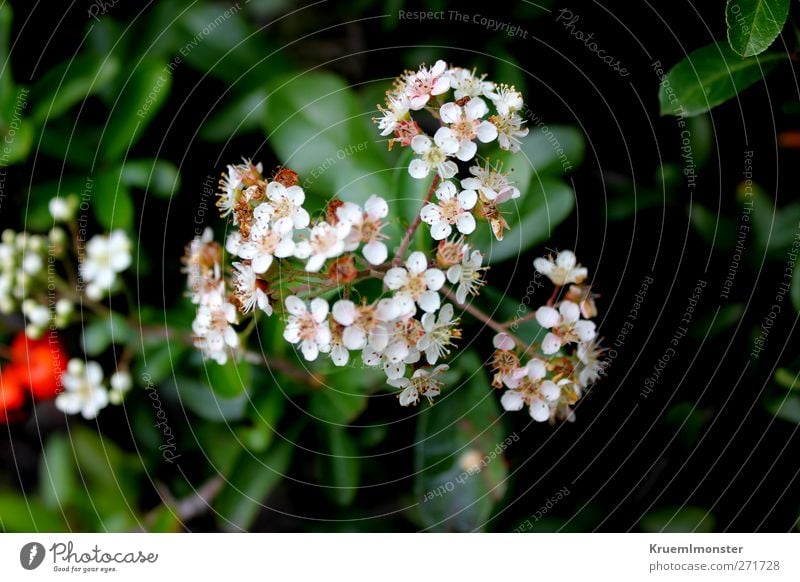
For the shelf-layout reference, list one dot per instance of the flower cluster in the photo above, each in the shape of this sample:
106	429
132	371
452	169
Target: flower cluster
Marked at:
470	111
85	391
329	276
566	362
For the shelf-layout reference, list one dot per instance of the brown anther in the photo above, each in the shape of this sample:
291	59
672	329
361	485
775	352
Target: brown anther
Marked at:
463	101
343	270
449	253
330	212
285	176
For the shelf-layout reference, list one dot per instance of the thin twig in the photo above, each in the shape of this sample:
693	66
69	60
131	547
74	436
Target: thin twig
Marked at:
412	228
487	319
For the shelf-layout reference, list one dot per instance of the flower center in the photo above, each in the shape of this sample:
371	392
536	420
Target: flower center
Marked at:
434	156
464	129
416	285
308	327
450	209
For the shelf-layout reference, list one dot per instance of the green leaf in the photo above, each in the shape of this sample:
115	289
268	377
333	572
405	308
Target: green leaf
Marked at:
230	379
336	405
533	217
701	138
24	513
141	97
787	409
551	150
157	177
678	520
688	420
240	115
317	127
716	230
103	331
461	431
112	203
710	76
6	77
714	324
249	484
794	290
267	408
204	402
787	379
753	25
342	468
70	83
57	473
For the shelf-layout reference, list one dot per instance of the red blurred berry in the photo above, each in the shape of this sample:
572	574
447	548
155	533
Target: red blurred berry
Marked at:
39	364
12	393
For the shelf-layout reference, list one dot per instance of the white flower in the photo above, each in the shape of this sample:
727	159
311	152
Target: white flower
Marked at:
265	244
466	125
364	324
503	341
421	85
433	155
232	184
307	326
366	227
283	208
397	108
467	84
61	209
83	389
509	131
37	314
248	289
565	326
468	275
233	242
439	334
105	257
591	366
452	209
491	184
527	385
325	242
393	358
506	99
415	283
421	383
120	383
565	269
212	327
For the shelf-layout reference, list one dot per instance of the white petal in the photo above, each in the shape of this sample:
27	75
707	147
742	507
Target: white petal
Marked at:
375	252
476	108
503	341
310	350
395	278
429	301
447	169
467	199
421	143
295	306
344	312
417	262
446	190
486	132
551	344
430	213
549	391
539	410
440	230
376	207
354	338
446	140
434	279
512	400
450	113
536	369
319	309
466	150
418	169
570	312
454	274
465	223
261	263
547	317
585	330
566	259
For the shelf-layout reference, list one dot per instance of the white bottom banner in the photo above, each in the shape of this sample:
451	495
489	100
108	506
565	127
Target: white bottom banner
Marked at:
389	557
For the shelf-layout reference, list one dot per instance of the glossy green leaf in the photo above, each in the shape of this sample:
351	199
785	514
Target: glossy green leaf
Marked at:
6	77
57	472
157	177
718	322
204	402
753	25
462	430
267	407
228	380
242	114
533	218
787	409
716	230
317	127
27	514
112	203
142	96
710	76
70	83
688	421
551	150
249	484
342	468
787	378
98	335
684	519
331	404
